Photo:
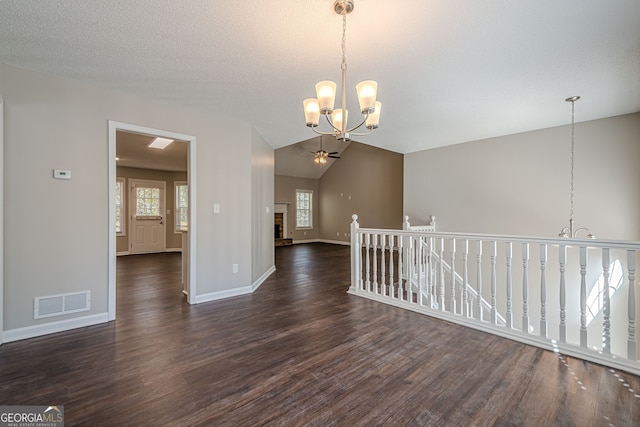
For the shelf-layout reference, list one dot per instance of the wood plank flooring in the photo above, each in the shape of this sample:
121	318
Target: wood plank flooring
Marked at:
299	351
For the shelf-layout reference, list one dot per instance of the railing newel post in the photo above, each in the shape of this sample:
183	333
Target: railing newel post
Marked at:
441	271
356	251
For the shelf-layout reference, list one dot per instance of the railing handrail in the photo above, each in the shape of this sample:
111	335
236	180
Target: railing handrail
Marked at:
541	282
559	241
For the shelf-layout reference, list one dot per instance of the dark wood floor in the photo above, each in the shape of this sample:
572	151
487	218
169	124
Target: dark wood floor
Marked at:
299	351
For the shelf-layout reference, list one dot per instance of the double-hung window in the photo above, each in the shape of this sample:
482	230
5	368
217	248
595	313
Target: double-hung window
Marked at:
304	204
120	212
182	206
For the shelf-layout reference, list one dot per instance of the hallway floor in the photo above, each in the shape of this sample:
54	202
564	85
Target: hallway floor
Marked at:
299	351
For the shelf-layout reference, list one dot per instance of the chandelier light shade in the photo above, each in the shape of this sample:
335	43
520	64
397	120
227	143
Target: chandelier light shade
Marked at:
324	102
571	231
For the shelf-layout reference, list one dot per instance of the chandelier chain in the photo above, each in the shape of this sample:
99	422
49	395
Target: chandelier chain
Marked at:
573	105
344	42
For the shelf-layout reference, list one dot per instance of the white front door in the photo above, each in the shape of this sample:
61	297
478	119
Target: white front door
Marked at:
147	216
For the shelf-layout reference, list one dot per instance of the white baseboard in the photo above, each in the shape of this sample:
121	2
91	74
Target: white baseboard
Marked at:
54	327
299	242
335	242
122	253
262	278
173	250
214	296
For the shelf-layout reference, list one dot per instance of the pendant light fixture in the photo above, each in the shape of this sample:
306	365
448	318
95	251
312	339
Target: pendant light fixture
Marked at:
571	231
326	93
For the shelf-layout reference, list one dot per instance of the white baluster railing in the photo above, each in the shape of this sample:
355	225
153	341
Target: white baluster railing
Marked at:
554	308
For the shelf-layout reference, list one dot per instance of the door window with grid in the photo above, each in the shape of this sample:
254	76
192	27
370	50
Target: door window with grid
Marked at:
147	202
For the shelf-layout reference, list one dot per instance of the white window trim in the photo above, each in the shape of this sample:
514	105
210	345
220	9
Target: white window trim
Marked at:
175	205
123	207
310	227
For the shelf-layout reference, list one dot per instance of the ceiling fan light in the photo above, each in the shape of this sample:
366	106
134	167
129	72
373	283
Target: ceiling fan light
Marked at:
374	118
367	91
311	112
326	93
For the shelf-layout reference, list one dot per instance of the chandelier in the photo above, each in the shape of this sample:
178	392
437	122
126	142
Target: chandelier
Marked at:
326	94
571	231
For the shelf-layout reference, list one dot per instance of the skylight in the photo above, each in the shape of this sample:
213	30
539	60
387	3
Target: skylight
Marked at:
160	143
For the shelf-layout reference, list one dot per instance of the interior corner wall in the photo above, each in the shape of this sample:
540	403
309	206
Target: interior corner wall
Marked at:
519	184
57	241
367	181
262	193
285	191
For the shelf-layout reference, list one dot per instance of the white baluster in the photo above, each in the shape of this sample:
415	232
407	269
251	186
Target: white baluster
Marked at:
453	276
368	265
465	279
494	309
401	261
375	261
441	264
583	296
525	288
432	269
509	255
356	252
382	264
428	268
606	311
479	282
391	239
543	290
562	255
631	341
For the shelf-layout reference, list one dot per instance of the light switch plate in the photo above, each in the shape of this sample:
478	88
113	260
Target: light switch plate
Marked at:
61	174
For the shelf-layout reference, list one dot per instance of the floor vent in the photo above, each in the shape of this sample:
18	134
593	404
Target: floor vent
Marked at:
57	305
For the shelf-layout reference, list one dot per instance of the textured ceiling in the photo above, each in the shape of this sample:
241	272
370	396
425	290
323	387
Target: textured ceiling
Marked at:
448	71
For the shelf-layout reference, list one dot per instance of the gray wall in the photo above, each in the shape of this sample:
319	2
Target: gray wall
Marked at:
519	184
367	181
262	188
285	191
56	232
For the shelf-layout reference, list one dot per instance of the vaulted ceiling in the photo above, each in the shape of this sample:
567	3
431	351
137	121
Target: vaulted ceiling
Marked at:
448	71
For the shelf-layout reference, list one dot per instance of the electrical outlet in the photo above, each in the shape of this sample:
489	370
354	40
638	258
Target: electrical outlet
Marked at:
235	268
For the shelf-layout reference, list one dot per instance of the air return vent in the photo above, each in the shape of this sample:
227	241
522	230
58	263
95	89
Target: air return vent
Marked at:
57	305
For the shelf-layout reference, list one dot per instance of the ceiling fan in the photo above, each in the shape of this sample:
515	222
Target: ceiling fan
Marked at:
321	156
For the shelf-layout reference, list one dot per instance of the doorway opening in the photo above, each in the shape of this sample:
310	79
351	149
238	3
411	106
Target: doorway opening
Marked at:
140	214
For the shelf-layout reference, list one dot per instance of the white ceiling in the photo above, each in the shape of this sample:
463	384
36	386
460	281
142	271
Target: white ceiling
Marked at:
448	71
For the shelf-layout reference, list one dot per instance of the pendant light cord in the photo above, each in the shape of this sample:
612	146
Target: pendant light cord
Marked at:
573	104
